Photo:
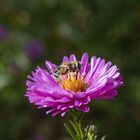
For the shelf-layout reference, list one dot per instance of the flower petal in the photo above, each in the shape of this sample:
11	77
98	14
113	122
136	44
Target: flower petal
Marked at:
84	62
65	59
50	66
72	57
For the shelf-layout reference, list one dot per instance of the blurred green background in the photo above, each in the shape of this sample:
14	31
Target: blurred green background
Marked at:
32	31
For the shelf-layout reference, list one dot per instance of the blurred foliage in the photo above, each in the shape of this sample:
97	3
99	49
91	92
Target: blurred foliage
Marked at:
109	29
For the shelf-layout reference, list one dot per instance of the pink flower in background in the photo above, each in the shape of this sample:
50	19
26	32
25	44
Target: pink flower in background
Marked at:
96	79
34	49
3	33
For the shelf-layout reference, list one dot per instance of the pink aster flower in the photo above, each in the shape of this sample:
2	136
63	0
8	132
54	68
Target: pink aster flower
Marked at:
96	79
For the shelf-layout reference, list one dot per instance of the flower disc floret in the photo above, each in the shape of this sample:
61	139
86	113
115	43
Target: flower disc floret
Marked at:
73	81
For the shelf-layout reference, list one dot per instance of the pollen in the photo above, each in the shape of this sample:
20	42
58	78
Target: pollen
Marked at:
73	81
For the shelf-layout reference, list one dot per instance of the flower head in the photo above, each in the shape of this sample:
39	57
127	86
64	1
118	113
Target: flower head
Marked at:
74	88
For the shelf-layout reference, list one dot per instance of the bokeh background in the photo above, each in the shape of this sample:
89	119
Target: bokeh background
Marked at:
32	31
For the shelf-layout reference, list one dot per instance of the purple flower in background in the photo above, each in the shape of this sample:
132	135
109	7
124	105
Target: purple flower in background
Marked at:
3	33
73	89
34	49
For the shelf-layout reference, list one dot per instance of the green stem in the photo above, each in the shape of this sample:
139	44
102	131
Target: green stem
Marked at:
75	127
76	130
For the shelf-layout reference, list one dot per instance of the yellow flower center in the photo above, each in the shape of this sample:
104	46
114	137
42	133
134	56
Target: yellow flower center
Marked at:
73	81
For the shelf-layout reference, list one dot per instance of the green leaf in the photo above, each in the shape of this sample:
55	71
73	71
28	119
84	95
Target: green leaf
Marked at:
71	132
74	127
